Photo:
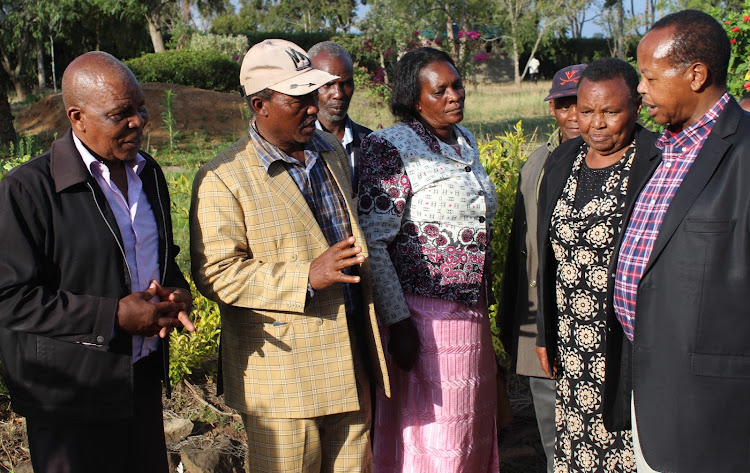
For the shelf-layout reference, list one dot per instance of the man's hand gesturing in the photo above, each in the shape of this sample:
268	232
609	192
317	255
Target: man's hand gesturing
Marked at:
325	270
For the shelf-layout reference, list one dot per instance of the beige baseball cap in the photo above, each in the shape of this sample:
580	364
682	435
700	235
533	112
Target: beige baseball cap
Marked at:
282	66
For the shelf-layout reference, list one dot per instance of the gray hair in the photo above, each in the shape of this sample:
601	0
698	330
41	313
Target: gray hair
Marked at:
334	49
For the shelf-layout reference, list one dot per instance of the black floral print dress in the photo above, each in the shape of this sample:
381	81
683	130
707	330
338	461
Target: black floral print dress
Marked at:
584	225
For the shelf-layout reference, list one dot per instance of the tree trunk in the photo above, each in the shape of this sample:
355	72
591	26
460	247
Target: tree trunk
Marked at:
620	31
7	132
40	75
185	18
516	72
153	29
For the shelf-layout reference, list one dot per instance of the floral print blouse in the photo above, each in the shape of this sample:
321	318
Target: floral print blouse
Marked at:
426	208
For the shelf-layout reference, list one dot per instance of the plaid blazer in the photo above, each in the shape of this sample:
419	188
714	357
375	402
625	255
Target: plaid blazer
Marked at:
253	238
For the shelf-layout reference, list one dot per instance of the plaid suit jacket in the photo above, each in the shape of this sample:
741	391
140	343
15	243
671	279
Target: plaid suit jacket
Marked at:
253	238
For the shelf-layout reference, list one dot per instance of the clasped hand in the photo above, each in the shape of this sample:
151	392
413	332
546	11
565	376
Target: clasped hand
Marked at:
137	315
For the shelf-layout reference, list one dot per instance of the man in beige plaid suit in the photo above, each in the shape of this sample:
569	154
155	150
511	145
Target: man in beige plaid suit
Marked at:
276	242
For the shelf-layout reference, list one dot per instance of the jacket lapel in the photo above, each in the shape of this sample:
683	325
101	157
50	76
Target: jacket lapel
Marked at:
281	184
709	157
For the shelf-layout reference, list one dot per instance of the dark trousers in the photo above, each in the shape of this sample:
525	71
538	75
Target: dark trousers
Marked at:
113	446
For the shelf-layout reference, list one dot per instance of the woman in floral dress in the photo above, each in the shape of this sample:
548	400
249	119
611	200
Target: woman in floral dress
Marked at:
426	206
582	200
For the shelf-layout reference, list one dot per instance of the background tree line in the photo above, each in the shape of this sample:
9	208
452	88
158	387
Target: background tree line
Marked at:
38	38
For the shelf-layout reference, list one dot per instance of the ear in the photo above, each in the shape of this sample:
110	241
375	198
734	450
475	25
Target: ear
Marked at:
552	107
258	106
75	115
698	76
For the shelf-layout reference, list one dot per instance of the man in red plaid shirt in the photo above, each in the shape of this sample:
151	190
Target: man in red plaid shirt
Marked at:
678	362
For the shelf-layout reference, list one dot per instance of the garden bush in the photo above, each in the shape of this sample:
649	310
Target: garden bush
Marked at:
200	69
502	158
190	351
228	45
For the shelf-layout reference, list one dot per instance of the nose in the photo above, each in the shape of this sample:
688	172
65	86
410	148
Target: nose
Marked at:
139	119
452	94
338	91
597	120
573	113
641	87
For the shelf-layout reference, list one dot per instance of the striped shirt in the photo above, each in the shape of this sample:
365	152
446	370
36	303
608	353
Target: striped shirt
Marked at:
321	193
679	151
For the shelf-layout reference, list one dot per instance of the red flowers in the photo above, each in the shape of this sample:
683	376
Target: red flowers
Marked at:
727	22
732	41
747	86
746	18
735	29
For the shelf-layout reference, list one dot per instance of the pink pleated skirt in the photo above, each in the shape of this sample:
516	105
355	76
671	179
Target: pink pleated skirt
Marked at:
441	416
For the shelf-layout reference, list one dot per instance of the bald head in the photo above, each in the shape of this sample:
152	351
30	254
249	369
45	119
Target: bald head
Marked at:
105	105
89	73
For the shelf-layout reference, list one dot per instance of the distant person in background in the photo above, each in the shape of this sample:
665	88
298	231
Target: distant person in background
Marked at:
534	69
334	99
519	294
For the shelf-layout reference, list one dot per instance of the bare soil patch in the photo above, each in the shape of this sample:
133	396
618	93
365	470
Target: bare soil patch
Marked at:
215	115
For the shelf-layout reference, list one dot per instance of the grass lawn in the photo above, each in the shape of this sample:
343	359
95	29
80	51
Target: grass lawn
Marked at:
489	110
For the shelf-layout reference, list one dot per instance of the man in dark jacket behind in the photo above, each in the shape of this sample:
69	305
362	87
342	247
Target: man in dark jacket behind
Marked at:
89	288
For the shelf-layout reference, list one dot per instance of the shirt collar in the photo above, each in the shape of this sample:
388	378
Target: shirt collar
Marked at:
348	131
697	132
554	140
136	164
270	153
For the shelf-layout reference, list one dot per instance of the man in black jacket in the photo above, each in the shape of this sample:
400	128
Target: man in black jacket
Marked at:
683	269
334	99
89	288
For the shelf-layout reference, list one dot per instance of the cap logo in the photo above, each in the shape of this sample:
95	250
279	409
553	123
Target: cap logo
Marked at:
570	77
301	62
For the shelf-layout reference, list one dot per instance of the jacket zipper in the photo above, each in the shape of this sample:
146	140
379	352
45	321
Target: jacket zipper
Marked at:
114	234
164	226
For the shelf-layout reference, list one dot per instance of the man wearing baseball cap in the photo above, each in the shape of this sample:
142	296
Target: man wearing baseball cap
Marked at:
276	242
519	294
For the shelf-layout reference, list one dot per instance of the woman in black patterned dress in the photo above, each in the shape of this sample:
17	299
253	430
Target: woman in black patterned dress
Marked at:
582	200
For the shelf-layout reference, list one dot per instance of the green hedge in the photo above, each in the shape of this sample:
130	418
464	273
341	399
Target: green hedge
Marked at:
200	69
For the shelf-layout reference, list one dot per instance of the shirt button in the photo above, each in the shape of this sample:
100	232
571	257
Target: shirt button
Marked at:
99	339
637	239
684	149
481	192
532	283
667	165
652	202
293	258
319	321
481	219
467	169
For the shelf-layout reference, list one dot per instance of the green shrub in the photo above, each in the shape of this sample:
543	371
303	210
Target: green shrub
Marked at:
232	46
189	351
200	69
502	158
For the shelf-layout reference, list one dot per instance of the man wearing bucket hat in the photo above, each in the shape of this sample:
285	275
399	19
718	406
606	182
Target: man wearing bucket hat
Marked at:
519	294
276	242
